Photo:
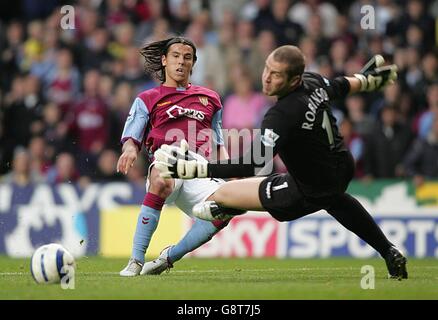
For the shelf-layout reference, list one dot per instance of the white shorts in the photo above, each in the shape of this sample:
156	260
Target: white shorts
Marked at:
187	193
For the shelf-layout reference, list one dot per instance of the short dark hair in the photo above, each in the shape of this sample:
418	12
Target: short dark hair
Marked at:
293	57
152	53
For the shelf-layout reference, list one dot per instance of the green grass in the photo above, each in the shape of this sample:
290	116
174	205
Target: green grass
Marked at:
210	279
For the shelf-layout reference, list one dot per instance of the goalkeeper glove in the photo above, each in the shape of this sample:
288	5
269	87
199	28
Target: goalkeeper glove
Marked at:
180	162
374	76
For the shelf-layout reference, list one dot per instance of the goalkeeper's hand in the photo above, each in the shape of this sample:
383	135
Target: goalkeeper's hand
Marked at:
180	162
374	76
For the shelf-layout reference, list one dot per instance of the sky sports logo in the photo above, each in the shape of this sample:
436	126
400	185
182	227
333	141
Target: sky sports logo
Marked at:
317	236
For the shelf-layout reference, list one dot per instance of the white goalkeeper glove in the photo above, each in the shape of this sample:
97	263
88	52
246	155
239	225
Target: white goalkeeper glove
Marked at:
374	76
180	162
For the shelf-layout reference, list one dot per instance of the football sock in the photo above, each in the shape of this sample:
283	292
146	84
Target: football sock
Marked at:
146	224
353	216
200	232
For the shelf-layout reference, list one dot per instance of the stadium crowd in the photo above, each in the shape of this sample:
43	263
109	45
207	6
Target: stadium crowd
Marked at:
65	93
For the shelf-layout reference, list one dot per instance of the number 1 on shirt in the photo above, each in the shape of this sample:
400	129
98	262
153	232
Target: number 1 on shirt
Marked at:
326	125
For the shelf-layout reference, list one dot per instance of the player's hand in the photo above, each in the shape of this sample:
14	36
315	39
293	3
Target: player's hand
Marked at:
374	76
127	159
180	162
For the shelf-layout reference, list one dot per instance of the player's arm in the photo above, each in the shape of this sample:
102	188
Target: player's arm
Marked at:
372	77
218	137
179	162
132	136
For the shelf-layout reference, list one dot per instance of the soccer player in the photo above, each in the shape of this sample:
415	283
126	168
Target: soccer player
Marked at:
168	113
300	127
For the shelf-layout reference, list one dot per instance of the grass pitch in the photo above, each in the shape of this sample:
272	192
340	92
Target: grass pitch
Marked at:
229	279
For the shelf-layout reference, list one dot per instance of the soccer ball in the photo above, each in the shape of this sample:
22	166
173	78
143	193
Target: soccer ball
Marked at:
50	263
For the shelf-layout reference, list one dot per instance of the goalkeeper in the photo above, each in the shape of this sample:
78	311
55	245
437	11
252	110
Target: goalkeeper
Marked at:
301	128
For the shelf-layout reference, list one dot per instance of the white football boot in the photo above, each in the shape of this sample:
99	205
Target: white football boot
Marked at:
132	269
157	266
210	211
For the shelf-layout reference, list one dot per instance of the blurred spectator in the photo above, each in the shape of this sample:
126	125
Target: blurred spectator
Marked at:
354	143
151	11
339	53
227	47
310	50
429	69
316	33
391	96
131	70
426	119
21	174
54	131
95	54
257	11
278	22
86	22
266	43
11	53
47	60
106	167
64	171
363	123
245	39
39	157
415	14
88	122
206	73
62	82
385	12
160	31
245	102
251	106
386	146
344	32
120	105
124	38
325	67
20	116
182	17
106	87
301	11
422	160
114	13
33	46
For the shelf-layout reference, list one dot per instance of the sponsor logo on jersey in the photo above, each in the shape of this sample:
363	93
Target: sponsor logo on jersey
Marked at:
176	111
203	100
163	103
269	138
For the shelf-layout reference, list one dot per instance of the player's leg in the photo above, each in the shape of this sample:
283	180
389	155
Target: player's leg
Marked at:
158	189
277	194
240	194
353	216
191	192
231	199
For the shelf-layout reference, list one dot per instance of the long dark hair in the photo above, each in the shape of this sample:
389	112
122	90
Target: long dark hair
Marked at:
152	53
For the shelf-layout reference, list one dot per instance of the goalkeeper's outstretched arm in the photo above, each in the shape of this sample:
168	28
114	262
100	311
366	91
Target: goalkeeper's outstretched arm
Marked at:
373	76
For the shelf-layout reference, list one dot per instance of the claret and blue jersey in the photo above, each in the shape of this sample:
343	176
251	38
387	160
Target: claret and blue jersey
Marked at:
164	115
